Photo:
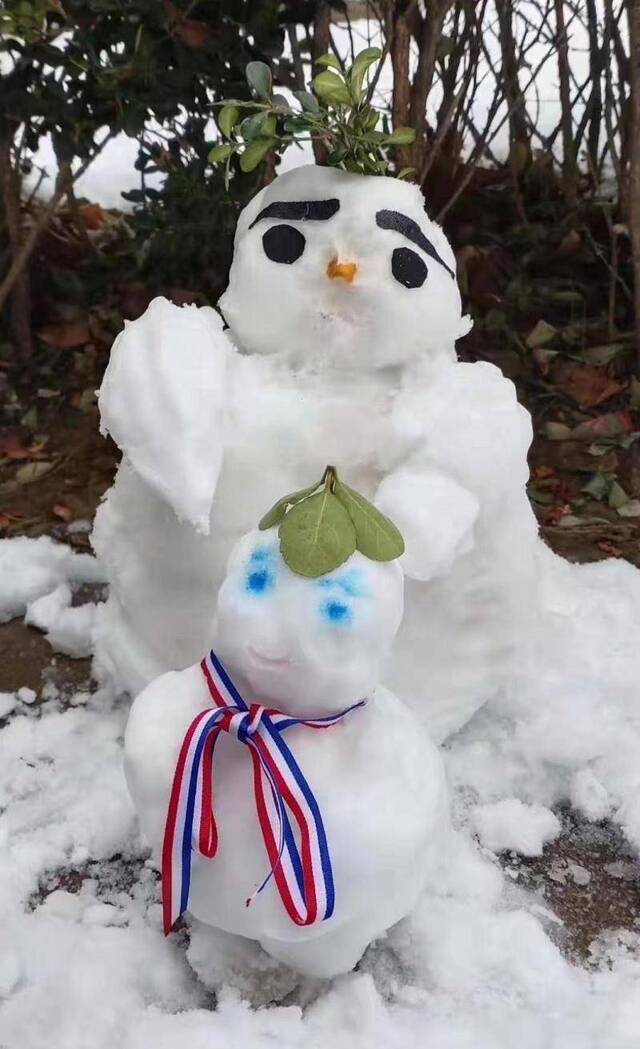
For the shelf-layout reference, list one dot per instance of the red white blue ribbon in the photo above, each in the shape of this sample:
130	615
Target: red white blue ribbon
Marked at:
299	858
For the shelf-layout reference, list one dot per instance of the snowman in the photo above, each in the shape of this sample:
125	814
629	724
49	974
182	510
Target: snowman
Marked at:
340	322
288	797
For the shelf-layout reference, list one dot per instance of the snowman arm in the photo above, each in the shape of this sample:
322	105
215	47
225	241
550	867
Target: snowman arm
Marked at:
159	718
162	401
435	514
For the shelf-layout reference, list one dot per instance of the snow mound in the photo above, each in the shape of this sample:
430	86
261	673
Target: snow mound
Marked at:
31	568
510	825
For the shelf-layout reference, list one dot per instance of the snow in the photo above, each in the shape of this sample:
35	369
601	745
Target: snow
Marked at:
509	824
68	629
7	703
30	569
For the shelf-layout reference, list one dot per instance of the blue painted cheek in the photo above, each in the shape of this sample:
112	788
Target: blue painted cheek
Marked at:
259	582
337	613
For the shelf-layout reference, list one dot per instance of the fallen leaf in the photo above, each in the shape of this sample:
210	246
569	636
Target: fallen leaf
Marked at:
570	244
609	548
92	215
586	385
65	513
611	424
543	358
617	496
33	471
66	335
557	431
47	394
629	509
541	335
543	471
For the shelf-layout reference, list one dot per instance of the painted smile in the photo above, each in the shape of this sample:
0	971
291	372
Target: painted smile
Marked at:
278	663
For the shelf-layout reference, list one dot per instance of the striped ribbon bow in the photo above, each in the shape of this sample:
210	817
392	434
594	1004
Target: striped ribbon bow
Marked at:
300	865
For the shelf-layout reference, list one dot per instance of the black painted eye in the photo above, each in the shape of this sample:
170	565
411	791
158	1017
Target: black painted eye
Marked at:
283	244
408	268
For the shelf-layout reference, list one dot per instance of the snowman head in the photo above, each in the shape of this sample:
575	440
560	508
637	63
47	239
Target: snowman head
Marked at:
306	646
342	270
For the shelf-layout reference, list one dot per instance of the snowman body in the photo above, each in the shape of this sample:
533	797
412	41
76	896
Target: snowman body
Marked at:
377	778
216	425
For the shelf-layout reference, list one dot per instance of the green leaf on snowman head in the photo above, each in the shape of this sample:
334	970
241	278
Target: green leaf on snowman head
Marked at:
279	509
376	536
317	535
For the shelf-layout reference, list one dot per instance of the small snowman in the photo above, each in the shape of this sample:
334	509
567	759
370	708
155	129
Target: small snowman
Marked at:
289	798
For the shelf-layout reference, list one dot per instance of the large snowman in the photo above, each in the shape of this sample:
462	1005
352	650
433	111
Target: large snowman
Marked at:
342	314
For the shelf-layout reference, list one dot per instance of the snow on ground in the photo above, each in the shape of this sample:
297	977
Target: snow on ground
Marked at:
84	965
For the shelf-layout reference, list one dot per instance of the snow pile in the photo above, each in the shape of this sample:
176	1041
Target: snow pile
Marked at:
37	580
31	568
508	824
69	629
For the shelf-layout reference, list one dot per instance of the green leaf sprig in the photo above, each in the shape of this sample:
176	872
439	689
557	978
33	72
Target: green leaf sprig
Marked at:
321	526
339	113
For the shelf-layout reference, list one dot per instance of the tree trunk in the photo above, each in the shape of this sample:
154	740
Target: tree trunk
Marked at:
321	40
519	146
20	299
569	166
633	11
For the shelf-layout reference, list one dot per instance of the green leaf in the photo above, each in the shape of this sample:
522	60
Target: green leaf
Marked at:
308	101
362	62
330	88
328	60
259	79
227	117
377	537
253	126
281	102
255	152
279	509
220	152
617	496
317	535
597	486
405	172
401	136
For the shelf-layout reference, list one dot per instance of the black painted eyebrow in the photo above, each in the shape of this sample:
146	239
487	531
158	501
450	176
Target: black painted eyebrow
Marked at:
395	220
302	210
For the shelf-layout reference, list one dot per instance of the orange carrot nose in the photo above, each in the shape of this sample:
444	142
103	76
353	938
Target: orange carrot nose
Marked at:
346	270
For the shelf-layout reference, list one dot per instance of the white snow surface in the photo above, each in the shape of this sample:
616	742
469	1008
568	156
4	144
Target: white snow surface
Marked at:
471	968
510	825
32	568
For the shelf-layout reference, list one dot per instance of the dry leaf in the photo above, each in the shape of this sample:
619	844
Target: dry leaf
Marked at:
33	471
611	424
92	215
584	384
65	513
540	335
66	335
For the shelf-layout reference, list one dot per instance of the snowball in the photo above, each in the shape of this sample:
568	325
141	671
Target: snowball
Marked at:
511	825
27	695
